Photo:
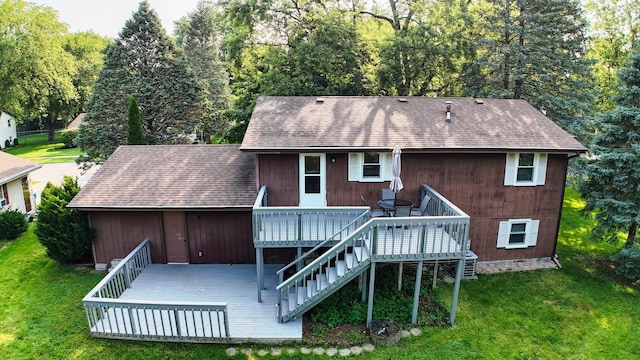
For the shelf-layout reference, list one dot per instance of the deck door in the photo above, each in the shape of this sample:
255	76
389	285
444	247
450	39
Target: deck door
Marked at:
175	236
313	180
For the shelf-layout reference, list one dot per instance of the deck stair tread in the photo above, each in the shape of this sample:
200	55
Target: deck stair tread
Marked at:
341	267
349	260
332	274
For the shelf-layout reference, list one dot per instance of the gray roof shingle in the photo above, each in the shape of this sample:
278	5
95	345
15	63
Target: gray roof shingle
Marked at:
172	177
13	167
416	124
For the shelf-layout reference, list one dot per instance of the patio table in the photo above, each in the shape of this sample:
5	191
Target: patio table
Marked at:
389	205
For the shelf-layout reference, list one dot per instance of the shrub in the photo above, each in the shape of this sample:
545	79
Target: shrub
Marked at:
64	232
69	138
627	262
7	143
12	224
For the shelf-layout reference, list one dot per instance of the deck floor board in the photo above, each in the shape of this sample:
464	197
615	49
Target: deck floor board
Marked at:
236	285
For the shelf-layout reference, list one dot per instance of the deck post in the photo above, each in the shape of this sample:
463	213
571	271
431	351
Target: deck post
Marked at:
435	275
363	286
416	293
456	290
298	256
260	271
372	280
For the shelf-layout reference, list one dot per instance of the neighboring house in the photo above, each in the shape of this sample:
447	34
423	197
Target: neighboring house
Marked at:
75	123
8	130
501	161
15	184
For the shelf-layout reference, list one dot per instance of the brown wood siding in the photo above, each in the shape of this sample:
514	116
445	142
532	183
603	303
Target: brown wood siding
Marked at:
280	174
222	237
474	182
117	233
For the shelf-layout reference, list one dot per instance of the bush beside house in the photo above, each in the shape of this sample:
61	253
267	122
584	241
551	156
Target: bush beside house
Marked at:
12	224
63	231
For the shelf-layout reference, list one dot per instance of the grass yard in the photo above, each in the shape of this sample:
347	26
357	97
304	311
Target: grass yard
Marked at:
580	312
37	148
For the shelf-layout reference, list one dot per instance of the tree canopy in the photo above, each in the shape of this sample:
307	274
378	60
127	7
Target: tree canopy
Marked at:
143	62
612	175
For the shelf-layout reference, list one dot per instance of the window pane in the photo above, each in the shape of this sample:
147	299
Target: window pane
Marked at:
371	171
371	158
518	228
516	239
312	164
525	160
525	174
312	184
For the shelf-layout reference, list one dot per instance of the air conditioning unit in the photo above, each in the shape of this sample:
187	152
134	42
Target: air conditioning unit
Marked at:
3	202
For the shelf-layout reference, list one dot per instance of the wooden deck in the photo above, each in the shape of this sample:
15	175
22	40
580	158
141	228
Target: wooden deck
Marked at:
249	320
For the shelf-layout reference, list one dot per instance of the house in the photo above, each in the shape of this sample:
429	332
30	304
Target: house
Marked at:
15	184
488	174
501	161
75	123
8	132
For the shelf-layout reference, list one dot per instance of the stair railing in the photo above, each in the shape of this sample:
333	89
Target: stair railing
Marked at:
359	221
313	271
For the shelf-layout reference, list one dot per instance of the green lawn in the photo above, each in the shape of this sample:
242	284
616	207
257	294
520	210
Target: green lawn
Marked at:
37	148
580	312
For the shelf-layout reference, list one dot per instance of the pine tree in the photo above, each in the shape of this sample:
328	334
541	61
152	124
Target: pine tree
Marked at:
612	180
135	132
534	50
198	36
143	62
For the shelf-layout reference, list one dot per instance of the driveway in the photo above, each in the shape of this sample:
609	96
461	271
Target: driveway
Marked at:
54	173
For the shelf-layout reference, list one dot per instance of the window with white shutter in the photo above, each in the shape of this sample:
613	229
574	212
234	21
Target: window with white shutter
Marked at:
525	169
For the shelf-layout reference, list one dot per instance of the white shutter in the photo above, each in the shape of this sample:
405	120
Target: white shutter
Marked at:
541	168
355	166
503	234
532	237
510	169
386	160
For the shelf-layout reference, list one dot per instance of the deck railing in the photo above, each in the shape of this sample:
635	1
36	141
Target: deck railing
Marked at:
282	226
109	316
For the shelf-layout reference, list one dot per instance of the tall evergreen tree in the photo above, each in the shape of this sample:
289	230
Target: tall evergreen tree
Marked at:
534	50
198	36
143	62
135	132
612	180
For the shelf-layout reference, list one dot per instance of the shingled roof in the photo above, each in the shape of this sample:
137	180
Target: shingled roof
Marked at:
13	167
171	177
414	123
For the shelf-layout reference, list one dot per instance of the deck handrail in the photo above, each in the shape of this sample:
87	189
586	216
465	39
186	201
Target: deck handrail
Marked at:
391	222
140	257
321	245
111	317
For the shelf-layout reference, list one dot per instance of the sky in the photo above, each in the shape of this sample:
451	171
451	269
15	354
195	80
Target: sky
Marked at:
107	17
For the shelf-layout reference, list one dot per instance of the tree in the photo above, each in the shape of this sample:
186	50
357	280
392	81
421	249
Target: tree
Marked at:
87	48
612	176
198	36
135	132
63	231
418	56
534	50
143	62
35	73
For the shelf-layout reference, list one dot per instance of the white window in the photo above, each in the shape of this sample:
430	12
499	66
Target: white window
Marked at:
525	169
518	233
370	167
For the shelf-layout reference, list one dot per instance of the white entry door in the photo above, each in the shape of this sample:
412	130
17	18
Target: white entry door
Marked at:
313	180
